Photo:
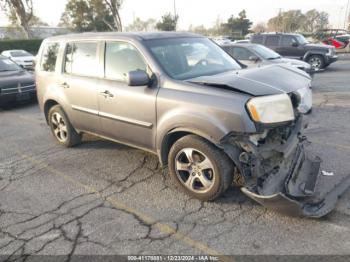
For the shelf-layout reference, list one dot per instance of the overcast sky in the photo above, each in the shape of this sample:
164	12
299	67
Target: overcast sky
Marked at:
198	12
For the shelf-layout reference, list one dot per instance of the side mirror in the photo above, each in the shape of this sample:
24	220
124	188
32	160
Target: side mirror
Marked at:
295	44
254	58
137	78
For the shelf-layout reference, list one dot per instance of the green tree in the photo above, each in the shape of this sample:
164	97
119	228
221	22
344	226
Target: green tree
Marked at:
23	10
91	15
167	23
237	25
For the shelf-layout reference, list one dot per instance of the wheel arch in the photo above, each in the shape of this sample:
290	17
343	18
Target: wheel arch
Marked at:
47	106
175	134
310	53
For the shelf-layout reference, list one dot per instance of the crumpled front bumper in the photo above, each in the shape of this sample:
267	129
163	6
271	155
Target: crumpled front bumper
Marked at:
285	178
302	192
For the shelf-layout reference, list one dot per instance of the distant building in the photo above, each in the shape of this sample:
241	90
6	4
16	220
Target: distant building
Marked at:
8	32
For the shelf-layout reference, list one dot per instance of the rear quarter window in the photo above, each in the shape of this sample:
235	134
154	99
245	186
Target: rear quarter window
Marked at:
49	57
81	59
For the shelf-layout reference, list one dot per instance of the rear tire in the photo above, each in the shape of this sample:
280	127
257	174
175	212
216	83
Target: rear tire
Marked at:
61	127
317	62
199	168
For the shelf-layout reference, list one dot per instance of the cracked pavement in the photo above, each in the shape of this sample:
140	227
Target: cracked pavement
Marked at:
105	198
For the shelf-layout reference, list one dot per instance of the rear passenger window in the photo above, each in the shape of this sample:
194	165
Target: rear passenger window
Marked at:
81	59
258	39
272	40
121	58
49	57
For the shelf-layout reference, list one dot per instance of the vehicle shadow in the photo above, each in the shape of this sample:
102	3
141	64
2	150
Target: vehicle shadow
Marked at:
94	142
16	106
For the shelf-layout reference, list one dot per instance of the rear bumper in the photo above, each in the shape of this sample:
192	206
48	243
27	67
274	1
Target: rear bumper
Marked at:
284	177
7	98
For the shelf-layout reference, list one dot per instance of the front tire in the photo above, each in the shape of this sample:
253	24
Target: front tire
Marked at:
61	127
199	168
317	62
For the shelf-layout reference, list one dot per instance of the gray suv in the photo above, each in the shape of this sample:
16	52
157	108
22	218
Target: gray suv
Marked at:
319	56
183	98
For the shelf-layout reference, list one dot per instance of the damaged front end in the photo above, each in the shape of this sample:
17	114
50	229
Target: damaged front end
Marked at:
280	174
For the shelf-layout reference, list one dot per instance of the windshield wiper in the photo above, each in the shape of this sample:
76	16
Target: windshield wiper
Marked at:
273	58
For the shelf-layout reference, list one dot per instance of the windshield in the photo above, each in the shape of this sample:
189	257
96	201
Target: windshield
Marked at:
185	58
8	65
301	39
19	53
265	53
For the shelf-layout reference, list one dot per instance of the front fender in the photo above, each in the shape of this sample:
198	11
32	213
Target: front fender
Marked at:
205	126
313	52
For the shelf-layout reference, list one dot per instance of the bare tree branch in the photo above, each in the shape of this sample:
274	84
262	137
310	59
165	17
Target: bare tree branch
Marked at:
114	6
23	10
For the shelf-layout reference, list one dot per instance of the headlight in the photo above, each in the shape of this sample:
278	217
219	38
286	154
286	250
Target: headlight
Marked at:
305	95
271	109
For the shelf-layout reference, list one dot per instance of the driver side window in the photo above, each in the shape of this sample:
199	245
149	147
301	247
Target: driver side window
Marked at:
241	53
288	41
120	59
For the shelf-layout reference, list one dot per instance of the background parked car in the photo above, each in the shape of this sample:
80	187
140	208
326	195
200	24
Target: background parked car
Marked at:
21	57
253	55
319	56
16	84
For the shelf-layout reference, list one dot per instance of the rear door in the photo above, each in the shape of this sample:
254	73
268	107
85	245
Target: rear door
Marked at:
272	41
127	113
80	78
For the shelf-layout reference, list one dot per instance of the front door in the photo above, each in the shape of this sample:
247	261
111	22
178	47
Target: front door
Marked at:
127	113
245	56
80	84
290	47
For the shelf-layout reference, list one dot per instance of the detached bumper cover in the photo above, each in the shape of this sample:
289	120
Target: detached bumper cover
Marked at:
283	177
299	195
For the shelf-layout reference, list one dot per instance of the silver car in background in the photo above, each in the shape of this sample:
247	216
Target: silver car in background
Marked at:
254	55
21	57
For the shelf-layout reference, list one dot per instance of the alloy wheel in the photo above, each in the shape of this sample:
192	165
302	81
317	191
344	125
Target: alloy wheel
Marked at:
315	63
194	170
59	127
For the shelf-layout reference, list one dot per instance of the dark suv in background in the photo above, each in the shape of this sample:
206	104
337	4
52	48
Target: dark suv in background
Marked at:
296	46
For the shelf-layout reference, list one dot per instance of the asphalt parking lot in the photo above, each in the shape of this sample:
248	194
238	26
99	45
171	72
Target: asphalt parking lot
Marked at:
104	198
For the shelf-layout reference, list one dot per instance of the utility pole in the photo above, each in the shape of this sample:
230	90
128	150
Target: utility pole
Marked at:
346	14
175	15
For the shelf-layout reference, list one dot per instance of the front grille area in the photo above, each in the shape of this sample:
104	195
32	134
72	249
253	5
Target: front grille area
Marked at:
16	89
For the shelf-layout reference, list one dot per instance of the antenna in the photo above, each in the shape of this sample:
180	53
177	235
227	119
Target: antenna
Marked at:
175	14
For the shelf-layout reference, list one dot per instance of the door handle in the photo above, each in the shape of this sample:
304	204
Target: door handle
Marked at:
106	94
65	85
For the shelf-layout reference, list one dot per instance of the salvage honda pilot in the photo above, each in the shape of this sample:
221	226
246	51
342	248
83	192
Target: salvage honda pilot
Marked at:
181	97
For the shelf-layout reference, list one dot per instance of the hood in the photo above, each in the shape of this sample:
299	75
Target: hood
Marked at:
267	80
294	62
9	79
23	58
317	46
